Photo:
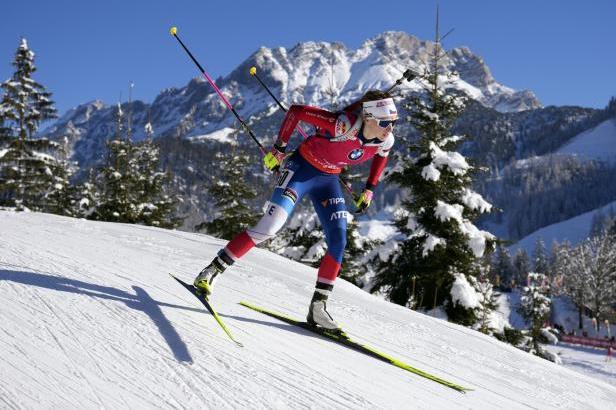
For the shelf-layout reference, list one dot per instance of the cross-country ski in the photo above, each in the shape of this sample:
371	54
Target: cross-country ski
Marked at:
203	299
344	339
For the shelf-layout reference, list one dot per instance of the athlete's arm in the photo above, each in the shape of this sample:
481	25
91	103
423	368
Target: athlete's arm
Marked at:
379	162
312	115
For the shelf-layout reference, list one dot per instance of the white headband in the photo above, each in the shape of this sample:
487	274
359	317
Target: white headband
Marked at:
380	109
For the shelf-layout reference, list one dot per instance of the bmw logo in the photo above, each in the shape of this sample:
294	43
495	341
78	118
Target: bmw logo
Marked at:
356	154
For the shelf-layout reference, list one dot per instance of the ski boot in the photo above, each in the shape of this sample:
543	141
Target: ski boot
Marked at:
204	281
318	314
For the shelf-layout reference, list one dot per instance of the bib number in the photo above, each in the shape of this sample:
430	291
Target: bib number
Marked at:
284	178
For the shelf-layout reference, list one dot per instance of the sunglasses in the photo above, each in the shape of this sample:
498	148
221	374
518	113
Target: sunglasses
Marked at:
386	123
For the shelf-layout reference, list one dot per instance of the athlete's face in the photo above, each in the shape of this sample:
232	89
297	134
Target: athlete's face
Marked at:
374	128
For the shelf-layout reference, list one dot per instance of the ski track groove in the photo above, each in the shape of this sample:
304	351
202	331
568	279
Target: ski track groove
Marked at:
38	370
351	399
35	365
83	375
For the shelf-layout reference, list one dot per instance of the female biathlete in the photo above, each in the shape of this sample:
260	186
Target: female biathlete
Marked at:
356	134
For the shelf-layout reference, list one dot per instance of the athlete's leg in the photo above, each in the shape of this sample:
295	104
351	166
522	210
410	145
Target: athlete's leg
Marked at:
330	206
291	185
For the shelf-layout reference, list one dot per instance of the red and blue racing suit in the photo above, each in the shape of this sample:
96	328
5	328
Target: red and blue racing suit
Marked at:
313	169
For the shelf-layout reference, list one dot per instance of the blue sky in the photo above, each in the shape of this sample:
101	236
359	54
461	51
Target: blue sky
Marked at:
86	50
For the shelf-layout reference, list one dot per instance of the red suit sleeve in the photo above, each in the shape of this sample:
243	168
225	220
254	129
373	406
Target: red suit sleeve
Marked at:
312	115
376	169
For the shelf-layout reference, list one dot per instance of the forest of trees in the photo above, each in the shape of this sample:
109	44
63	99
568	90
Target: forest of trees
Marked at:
36	173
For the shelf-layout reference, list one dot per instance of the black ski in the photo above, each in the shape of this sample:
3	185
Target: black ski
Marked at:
344	339
208	306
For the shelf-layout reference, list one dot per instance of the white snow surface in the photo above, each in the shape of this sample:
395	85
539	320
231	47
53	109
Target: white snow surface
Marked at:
463	293
596	143
224	135
586	360
90	319
451	159
573	230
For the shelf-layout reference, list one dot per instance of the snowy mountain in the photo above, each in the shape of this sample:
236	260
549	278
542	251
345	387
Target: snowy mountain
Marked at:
90	319
556	195
312	73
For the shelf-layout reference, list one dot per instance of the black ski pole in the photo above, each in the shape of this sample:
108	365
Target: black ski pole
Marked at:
174	32
408	75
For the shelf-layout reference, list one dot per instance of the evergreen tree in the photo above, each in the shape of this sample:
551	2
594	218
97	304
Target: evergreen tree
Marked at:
116	179
60	196
130	188
571	263
558	268
436	219
355	265
521	267
25	103
590	276
233	197
487	301
611	229
541	259
31	174
502	268
535	309
86	197
155	206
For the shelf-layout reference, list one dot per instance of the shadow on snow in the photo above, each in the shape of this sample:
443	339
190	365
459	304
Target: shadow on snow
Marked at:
140	300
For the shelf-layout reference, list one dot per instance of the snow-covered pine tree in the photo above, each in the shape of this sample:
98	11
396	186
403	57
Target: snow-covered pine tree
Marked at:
535	309
60	196
86	197
30	171
233	197
521	266
355	265
436	218
502	270
25	102
130	187
571	263
114	181
155	205
558	267
598	259
612	228
488	302
541	259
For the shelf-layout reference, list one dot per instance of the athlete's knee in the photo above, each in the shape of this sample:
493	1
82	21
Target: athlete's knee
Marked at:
270	223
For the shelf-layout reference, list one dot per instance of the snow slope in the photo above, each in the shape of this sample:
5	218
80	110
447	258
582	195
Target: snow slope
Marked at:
90	319
596	143
586	360
574	230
